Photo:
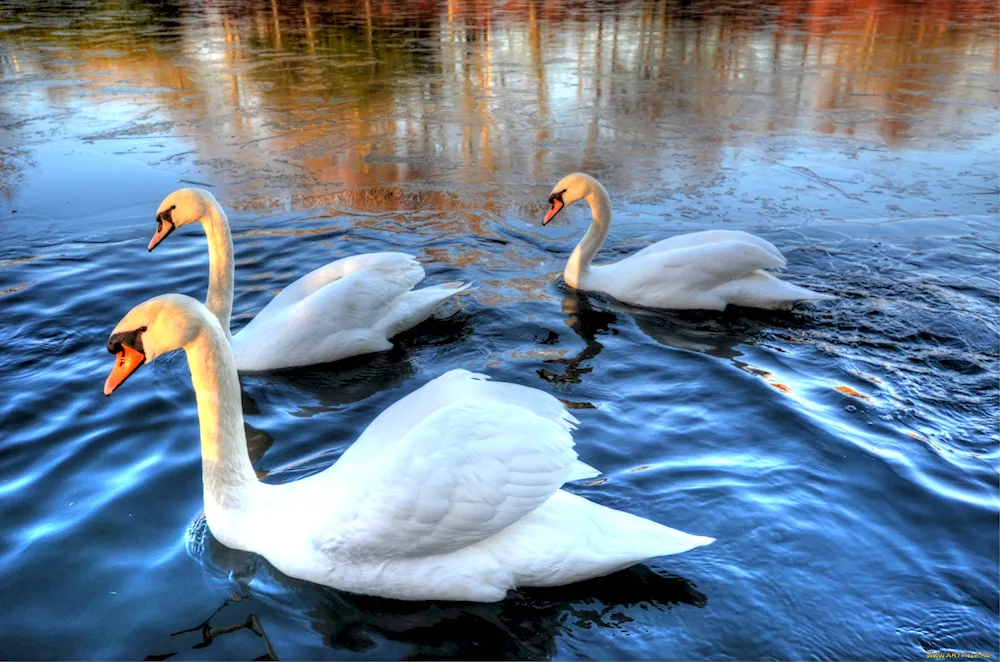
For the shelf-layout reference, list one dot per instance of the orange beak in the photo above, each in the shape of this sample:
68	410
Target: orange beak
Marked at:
127	361
556	207
164	226
161	233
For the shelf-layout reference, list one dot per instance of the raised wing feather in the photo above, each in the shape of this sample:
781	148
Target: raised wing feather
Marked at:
358	300
453	386
696	268
467	471
705	237
342	313
329	273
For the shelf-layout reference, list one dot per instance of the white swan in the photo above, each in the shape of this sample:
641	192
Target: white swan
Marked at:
348	307
451	493
701	270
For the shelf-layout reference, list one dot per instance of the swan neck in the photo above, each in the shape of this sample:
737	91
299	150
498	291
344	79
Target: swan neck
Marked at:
220	266
227	473
579	262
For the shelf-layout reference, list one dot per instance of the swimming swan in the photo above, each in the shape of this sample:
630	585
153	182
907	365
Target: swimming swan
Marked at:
701	270
452	493
351	306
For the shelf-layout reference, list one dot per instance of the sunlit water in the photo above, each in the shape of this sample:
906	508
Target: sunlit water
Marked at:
844	455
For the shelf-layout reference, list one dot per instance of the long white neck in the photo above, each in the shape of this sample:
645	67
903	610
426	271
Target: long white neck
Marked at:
600	223
220	266
228	476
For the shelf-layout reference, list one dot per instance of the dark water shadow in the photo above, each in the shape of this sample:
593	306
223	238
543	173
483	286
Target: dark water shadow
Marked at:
717	334
587	321
525	625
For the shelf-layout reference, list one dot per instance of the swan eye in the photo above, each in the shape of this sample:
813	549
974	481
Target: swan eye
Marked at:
131	338
172	207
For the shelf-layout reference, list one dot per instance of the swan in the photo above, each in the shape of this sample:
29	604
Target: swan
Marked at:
350	306
452	493
701	270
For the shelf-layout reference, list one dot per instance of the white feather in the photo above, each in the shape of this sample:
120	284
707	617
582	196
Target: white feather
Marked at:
453	493
348	307
700	270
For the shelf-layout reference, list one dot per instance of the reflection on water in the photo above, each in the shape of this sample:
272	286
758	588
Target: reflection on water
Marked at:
587	323
844	455
716	334
310	101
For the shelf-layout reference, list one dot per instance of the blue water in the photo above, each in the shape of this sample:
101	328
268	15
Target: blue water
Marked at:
844	454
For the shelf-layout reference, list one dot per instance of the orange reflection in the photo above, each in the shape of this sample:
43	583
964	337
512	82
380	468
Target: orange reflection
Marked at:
310	100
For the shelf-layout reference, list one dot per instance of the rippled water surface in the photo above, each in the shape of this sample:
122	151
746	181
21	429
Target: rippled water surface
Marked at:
845	455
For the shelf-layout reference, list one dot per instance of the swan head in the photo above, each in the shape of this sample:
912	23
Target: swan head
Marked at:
152	328
180	208
569	189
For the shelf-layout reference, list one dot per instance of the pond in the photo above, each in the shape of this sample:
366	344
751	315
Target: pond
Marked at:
844	454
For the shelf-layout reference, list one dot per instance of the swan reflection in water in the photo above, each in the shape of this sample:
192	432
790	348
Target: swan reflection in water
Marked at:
587	322
523	626
716	334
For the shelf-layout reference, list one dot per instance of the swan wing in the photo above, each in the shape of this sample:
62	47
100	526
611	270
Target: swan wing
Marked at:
695	268
395	422
467	471
357	301
342	318
319	278
704	237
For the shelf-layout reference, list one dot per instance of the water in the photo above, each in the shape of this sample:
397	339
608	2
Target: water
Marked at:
844	455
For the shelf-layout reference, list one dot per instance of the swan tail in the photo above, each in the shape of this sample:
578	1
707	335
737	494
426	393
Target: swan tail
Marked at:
454	286
417	305
810	295
763	290
581	471
637	539
793	294
666	541
589	540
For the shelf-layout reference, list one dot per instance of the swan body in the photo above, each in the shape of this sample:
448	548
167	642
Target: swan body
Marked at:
452	493
349	307
701	270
